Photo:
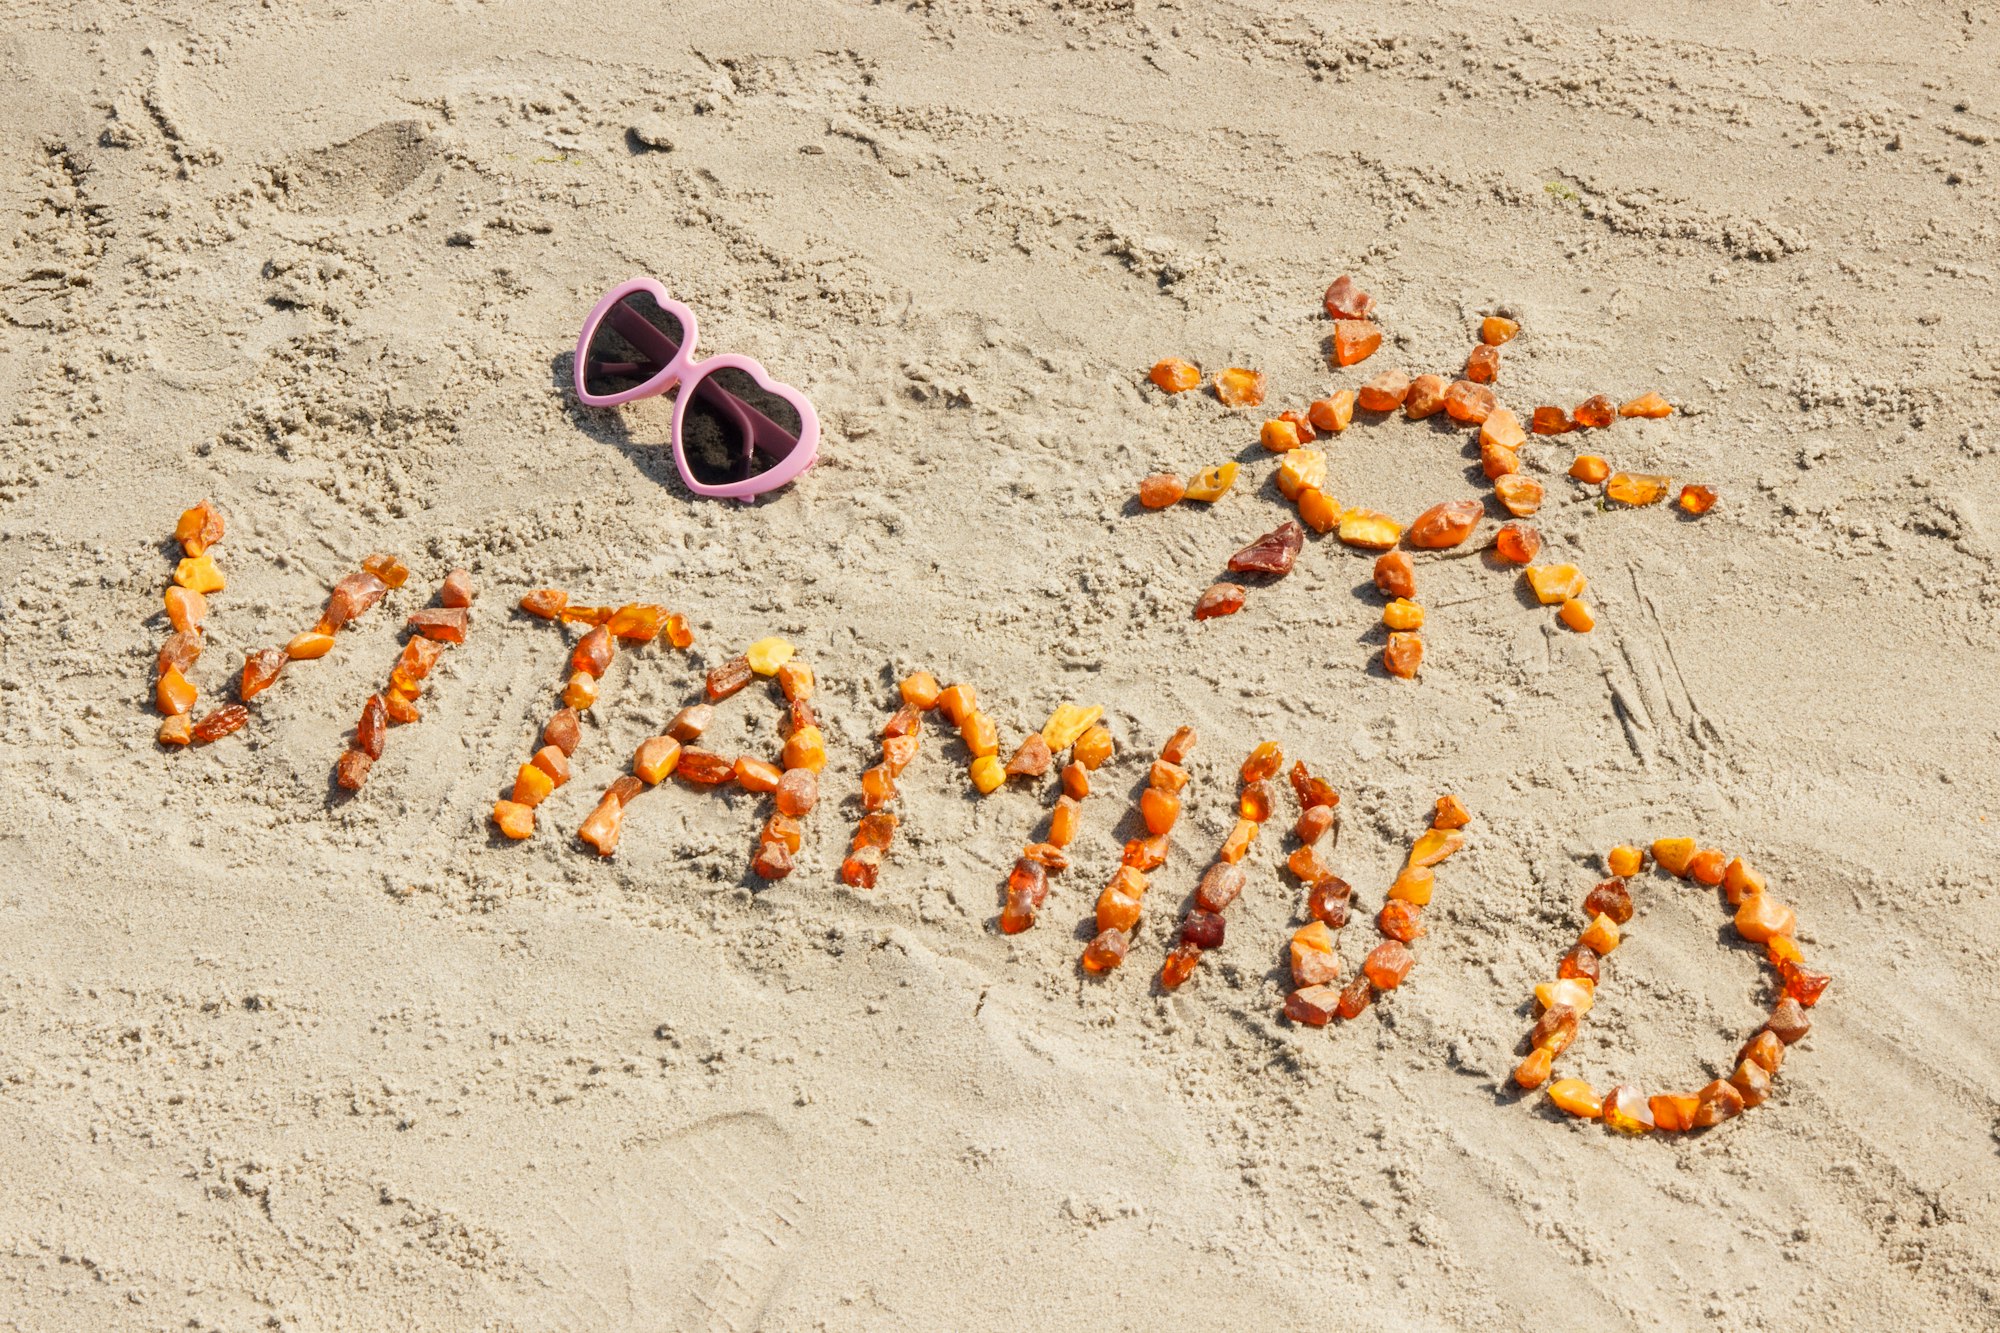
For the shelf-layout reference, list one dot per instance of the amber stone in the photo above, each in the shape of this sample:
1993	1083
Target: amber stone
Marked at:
1161	490
797	791
173	694
1304	863
585	615
1788	1021
1401	920
1106	951
1517	543
637	622
352	770
1017	916
1764	1050
1327	902
1344	300
1075	781
563	731
1803	987
1762	918
1369	529
1646	405
1032	759
859	869
897	752
706	768
1302	424
1046	855
1029	879
178	653
445	624
1555	584
1551	421
1697	499
1145	853
515	820
1238	387
1497	461
1673	1112
186	609
1256	802
919	690
1403	655
874	830
352	596
689	723
309	646
1414	885
1320	511
1117	910
1237	845
1063	820
728	678
552	761
1311	790
1521	496
456	590
1426	397
773	860
415	662
592	653
1279	436
532	786
1384	393
1469	403
1706	867
1332	415
1222	599
1581	961
1483	364
905	721
1403	614
1396	575
1263	762
1272	553
1627	1110
1313	1006
1444	525
1220	886
1354	341
1386	967
757	775
1093	747
980	734
878	787
1175	375
1212	483
1610	898
1752	1082
545	602
1716	1103
1636	488
1532	1072
199	528
1595	411
1179	966
1355	996
260	672
1313	823
1577	1098
220	723
1555	1029
400	706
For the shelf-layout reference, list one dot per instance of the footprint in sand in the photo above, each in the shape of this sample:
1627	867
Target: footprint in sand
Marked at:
695	1231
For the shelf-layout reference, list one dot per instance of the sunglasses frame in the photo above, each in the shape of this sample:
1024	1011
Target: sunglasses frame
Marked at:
686	373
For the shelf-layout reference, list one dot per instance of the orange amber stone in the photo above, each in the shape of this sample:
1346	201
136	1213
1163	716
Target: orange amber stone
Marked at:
1502	428
722	681
1532	1072
372	728
1673	1112
1320	511
1550	421
1400	920
1469	403
795	681
797	791
1414	885
1555	584
1356	996
1674	855
1063	820
1304	862
309	646
1403	655
592	616
1761	919
1179	966
1327	901
1384	393
444	624
1237	844
874	830
1609	899
1354	340
1220	886
1577	615
1649	405
173	694
387	568
563	730
1302	424
1625	861
1106	951
1579	964
1707	867
552	761
1517	543
1521	496
1311	791
1483	364
592	653
1436	846
1159	809
1386	967
515	820
1017	916
1716	1103
860	867
1403	614
186	609
920	690
1344	300
679	633
906	723
1589	468
1697	499
1279	436
1555	1029
980	734
1223	599
1167	776
1627	1111
224	720
1369	529
1161	490
1788	1021
706	768
414	663
1595	411
1801	986
1444	525
805	748
1032	759
352	596
656	758
1751	1082
456	590
531	786
1332	415
1116	911
1765	1050
1396	575
1093	747
1075	780
1237	387
1175	375
637	623
1426	397
1451	813
1600	936
773	860
1313	1006
1494	330
1263	763
1179	746
1272	553
1739	881
1636	488
402	707
757	775
958	703
547	603
1255	803
1497	460
1146	853
260	672
1576	1097
199	528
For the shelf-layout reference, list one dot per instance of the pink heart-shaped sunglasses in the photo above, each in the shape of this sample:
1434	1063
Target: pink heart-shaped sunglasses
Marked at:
737	432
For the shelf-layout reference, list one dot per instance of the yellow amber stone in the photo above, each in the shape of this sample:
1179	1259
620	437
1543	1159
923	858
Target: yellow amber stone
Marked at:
305	647
1674	854
1068	722
1093	747
1413	886
1579	993
581	692
1279	436
1436	845
1302	469
1370	530
1555	584
197	573
1211	484
1637	488
988	773
1625	861
1601	934
1576	1097
1403	614
767	655
532	786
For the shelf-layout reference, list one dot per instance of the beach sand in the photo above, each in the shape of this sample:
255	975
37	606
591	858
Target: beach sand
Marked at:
270	1058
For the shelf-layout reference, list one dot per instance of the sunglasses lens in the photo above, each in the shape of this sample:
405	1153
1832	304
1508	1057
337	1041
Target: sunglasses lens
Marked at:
733	428
634	342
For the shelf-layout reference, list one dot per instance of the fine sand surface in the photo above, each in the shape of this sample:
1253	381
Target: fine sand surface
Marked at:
271	1059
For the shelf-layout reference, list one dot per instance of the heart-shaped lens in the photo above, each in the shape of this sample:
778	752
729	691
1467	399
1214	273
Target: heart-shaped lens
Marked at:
634	341
733	428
